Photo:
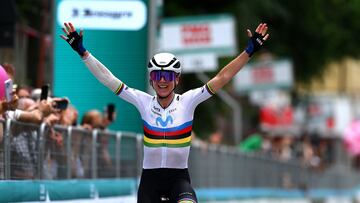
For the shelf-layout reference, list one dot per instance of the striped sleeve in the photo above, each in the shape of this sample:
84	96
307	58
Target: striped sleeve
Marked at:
119	89
209	89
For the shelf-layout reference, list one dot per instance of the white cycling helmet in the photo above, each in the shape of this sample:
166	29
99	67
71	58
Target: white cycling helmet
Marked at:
164	61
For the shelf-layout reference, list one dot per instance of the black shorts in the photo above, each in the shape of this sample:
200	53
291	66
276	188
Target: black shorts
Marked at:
173	184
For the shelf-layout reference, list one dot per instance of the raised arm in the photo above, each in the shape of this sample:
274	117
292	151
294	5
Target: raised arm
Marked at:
103	74
229	71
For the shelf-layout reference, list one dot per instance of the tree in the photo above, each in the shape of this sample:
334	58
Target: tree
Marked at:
310	33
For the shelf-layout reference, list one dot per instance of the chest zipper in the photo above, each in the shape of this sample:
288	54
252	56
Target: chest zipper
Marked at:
163	158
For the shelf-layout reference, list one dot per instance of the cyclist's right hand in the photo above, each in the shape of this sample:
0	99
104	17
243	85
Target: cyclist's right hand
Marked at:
74	38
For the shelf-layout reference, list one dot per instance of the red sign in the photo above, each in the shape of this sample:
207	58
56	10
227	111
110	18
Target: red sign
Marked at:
276	117
193	34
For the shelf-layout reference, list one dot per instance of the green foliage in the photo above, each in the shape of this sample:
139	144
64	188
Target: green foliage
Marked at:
29	12
311	33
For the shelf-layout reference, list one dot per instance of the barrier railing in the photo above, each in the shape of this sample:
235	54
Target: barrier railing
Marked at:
29	151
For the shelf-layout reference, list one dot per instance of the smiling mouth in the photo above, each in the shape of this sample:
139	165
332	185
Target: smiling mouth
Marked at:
162	86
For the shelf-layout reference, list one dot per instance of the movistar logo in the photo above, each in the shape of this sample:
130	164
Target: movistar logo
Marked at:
164	123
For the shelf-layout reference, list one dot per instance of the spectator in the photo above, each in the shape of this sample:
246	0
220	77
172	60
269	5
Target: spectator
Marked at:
286	152
216	137
23	92
90	121
69	117
36	115
252	143
109	115
93	119
55	151
105	163
24	139
10	70
26	104
35	94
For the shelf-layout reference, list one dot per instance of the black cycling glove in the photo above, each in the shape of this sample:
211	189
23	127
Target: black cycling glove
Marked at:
76	42
254	44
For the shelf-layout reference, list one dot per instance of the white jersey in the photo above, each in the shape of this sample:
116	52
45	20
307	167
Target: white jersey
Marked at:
167	132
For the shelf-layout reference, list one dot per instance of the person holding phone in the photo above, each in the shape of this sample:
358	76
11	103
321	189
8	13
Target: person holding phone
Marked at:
109	115
167	116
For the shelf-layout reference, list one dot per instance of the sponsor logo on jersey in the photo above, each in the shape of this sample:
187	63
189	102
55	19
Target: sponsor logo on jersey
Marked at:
172	110
164	123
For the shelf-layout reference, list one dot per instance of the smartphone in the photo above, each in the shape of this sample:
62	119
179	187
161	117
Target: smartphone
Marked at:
8	89
110	111
44	92
61	104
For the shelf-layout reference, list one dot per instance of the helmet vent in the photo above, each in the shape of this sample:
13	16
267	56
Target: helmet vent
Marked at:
163	64
164	61
177	65
149	65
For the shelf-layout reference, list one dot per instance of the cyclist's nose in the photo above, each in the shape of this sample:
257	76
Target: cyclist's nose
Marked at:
162	79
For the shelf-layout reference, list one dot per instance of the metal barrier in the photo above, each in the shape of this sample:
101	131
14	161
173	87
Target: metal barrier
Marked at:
218	166
29	151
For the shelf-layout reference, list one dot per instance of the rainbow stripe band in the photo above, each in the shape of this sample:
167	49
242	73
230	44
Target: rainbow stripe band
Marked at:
167	145
209	89
179	136
119	89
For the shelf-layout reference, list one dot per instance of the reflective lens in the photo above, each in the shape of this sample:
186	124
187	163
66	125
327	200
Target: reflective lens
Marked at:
158	74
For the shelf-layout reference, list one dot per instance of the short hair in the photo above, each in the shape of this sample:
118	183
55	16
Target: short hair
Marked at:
9	68
89	116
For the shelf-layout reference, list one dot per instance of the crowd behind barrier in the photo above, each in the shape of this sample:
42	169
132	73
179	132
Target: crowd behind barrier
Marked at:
28	152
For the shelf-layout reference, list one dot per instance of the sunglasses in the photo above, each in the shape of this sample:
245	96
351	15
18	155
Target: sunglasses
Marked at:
168	76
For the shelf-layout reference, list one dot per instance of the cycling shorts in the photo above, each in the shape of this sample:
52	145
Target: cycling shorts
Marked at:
173	184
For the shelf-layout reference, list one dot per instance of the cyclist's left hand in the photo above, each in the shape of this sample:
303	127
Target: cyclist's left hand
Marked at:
257	39
74	38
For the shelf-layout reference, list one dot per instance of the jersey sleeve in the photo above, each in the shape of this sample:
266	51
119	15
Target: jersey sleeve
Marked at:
103	74
195	96
133	96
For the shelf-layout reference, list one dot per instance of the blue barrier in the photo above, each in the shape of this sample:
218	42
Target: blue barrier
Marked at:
40	190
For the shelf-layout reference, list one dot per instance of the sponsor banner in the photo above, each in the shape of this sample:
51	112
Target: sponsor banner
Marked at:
265	76
202	34
198	62
116	33
103	15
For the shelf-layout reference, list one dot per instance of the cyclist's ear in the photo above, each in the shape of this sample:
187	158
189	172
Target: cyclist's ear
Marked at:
177	80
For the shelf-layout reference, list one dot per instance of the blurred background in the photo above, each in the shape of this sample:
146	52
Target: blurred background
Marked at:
286	129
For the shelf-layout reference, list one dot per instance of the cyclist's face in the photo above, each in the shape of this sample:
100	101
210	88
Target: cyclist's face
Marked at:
164	87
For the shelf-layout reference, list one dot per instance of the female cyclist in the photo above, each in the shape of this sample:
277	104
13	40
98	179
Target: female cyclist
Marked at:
167	116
